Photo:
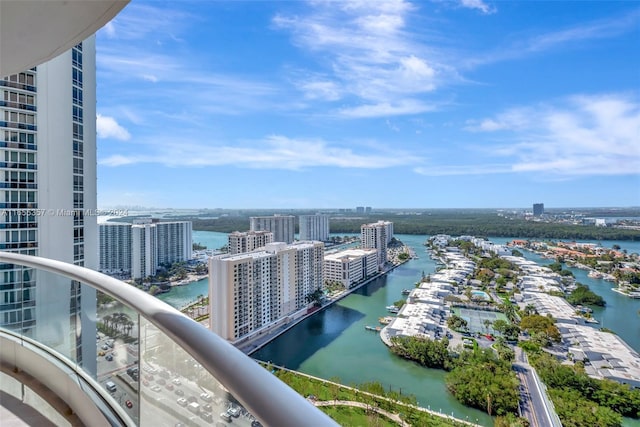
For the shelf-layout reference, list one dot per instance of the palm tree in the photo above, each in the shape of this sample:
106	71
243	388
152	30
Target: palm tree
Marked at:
487	323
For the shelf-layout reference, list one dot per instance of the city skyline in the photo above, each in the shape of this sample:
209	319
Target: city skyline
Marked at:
465	104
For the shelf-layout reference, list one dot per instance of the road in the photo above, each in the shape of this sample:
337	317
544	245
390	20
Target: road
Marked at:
533	404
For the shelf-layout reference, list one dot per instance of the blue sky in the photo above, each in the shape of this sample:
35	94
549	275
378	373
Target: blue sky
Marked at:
329	104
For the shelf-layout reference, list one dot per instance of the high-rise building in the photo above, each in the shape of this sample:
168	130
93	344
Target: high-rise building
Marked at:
175	242
48	147
240	242
256	291
314	227
538	209
115	248
282	226
144	250
377	236
138	249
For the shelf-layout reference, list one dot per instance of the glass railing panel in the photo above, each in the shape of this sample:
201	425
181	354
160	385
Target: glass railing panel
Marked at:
98	336
117	342
176	390
139	371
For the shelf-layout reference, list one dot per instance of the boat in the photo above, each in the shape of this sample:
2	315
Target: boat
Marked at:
373	328
406	291
386	320
393	309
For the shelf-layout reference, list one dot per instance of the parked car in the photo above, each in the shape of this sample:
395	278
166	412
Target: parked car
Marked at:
176	381
182	402
225	417
179	392
206	397
207	407
234	411
129	404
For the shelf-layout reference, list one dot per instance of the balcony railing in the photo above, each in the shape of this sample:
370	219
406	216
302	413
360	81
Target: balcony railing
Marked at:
148	362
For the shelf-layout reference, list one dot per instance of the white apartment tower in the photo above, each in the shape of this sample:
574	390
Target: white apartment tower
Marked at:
256	290
314	227
282	226
240	242
144	250
115	248
48	152
139	249
377	236
174	241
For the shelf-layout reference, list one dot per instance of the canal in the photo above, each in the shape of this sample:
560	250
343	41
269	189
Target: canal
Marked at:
335	344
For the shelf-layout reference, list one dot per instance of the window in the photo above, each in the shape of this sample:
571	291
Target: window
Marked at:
77	114
77	77
77	96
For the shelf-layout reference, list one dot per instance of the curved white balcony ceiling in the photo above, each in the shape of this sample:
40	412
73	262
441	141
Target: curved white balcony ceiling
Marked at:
35	31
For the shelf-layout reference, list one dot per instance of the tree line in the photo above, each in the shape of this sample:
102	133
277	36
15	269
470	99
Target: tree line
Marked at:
455	223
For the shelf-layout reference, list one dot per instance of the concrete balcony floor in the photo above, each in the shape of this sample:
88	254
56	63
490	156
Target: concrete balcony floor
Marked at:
26	402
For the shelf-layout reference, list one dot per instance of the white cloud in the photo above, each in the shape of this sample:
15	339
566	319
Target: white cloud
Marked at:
108	128
110	29
402	107
272	152
139	21
478	5
579	135
321	89
372	63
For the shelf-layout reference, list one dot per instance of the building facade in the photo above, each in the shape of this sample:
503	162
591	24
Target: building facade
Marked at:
254	291
538	209
377	236
314	227
115	248
241	242
48	201
139	249
282	226
351	266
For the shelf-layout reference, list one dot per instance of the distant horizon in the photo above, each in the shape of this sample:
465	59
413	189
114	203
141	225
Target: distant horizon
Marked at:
373	209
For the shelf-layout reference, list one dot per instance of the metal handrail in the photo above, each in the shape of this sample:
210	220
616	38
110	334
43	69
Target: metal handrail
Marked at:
271	401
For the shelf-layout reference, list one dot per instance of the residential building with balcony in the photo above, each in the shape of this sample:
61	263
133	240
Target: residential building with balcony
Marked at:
314	227
255	291
377	235
139	249
282	226
241	242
